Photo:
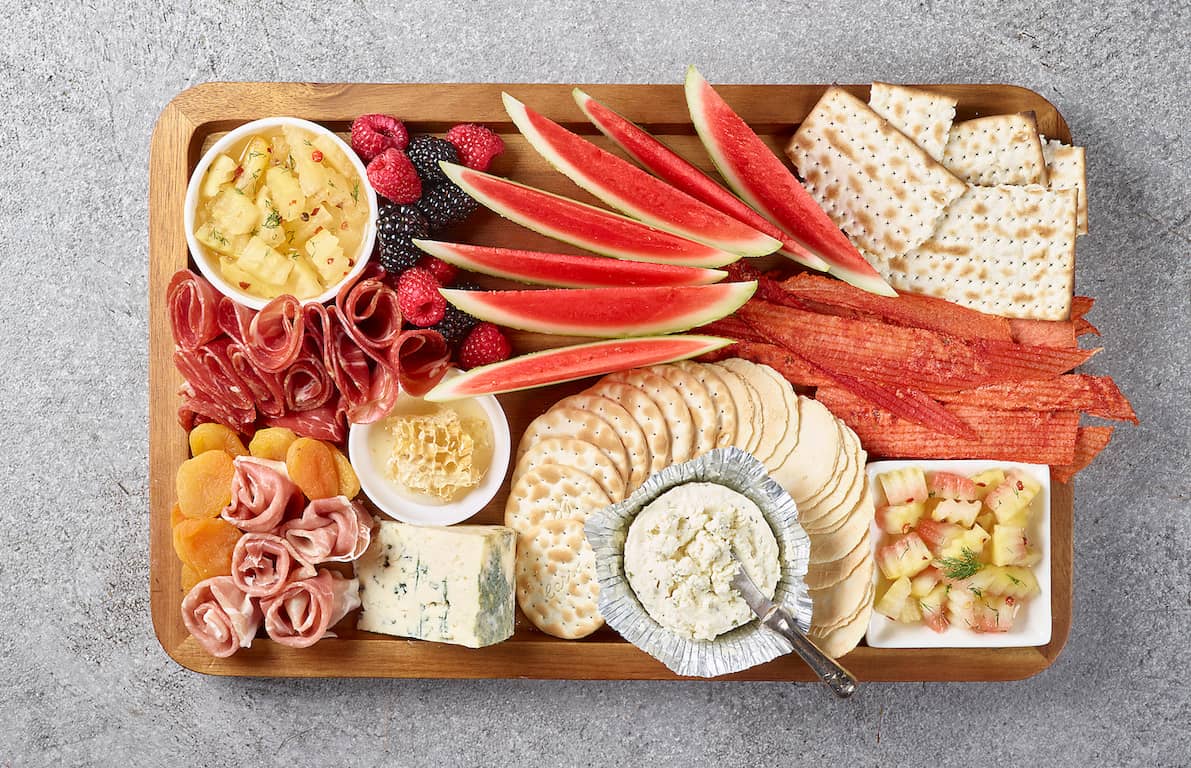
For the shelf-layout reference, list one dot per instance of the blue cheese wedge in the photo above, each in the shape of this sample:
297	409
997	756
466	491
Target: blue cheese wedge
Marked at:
446	585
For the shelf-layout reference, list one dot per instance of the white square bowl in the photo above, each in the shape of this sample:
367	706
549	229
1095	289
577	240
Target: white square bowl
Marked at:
1032	625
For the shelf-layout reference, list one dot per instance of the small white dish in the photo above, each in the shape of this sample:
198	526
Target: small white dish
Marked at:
1032	625
208	264
384	494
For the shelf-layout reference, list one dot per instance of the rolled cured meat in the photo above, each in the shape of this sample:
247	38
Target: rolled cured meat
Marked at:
301	613
263	496
267	389
274	338
330	530
420	358
369	311
262	564
192	303
325	423
197	408
234	319
209	370
220	616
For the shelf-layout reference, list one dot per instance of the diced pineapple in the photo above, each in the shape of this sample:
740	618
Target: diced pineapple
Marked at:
214	238
303	281
286	192
911	612
339	189
924	582
958	512
253	162
220	172
1011	546
1008	581
987	480
979	612
1013	496
312	175
948	485
900	518
972	540
904	486
232	272
317	218
327	257
934	608
894	599
270	229
937	535
906	556
986	520
333	156
265	264
233	213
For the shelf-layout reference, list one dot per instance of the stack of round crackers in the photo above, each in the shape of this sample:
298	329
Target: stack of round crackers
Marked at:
595	448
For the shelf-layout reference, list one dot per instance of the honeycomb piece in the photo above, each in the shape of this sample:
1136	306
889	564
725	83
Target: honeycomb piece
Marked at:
434	454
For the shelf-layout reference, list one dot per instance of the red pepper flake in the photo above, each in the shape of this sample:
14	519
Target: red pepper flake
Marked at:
269	149
239	172
330	260
343	225
316	156
351	262
318	229
245	285
1020	485
314	211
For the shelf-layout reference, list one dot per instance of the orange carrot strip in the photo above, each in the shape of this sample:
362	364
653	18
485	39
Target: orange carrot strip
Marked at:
1043	333
1041	437
1095	395
1089	442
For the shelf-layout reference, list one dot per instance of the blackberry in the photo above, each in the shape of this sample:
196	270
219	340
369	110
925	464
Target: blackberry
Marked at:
396	224
399	257
425	152
455	325
444	205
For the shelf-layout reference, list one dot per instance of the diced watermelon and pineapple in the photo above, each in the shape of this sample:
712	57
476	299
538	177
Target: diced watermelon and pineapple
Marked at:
958	551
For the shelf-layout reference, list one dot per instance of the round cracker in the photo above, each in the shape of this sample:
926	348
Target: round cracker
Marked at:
647	415
789	441
769	394
668	400
717	389
627	429
748	408
557	587
812	463
834	519
576	454
698	402
552	492
581	425
824	575
841	640
834	605
845	471
828	513
833	545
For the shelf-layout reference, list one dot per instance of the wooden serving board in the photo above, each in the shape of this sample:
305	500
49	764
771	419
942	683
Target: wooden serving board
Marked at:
197	116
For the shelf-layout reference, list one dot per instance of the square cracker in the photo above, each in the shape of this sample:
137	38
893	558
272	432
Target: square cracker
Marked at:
874	182
1000	149
1004	250
921	115
1066	167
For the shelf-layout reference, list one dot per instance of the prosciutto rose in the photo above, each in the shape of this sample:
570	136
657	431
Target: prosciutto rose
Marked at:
301	613
262	564
220	616
263	496
329	530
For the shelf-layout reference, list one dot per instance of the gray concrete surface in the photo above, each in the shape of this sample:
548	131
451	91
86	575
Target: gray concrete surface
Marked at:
85	683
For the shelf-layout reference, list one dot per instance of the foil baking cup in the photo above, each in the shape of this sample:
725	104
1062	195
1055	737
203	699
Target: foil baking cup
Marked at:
743	647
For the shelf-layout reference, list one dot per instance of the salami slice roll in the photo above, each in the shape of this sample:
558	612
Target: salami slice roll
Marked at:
209	371
220	616
197	408
262	564
263	496
267	389
369	312
301	613
233	319
329	530
323	423
274	337
193	304
420	358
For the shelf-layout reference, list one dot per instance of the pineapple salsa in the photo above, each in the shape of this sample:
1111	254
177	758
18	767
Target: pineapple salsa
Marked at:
957	549
284	211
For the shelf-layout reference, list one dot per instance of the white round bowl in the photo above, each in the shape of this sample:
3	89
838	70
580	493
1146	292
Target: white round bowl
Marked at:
208	264
383	493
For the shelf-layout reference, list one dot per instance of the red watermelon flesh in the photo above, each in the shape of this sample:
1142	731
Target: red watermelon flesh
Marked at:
764	182
632	191
583	226
565	270
555	366
604	312
670	166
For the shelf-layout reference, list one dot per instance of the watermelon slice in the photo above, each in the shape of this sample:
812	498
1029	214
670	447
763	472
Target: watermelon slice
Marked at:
555	366
604	312
670	166
631	190
565	270
584	226
764	182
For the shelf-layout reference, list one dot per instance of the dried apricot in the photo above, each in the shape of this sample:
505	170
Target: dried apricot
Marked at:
190	577
271	443
206	545
204	484
349	484
311	465
176	515
215	437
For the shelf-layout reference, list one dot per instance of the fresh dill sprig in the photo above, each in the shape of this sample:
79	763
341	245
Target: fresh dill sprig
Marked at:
962	567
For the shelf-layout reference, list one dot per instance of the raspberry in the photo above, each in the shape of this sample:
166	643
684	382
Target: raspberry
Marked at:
485	344
425	152
477	145
444	205
393	176
455	324
443	272
373	134
419	299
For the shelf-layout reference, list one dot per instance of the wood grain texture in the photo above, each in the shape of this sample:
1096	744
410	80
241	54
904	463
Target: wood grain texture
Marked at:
195	118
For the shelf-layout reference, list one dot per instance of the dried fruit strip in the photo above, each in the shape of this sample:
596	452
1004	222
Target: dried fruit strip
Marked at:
1095	395
1043	333
1089	441
1083	328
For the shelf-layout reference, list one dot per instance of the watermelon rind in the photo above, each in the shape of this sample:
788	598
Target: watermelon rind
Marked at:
636	311
564	270
654	202
584	360
679	250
